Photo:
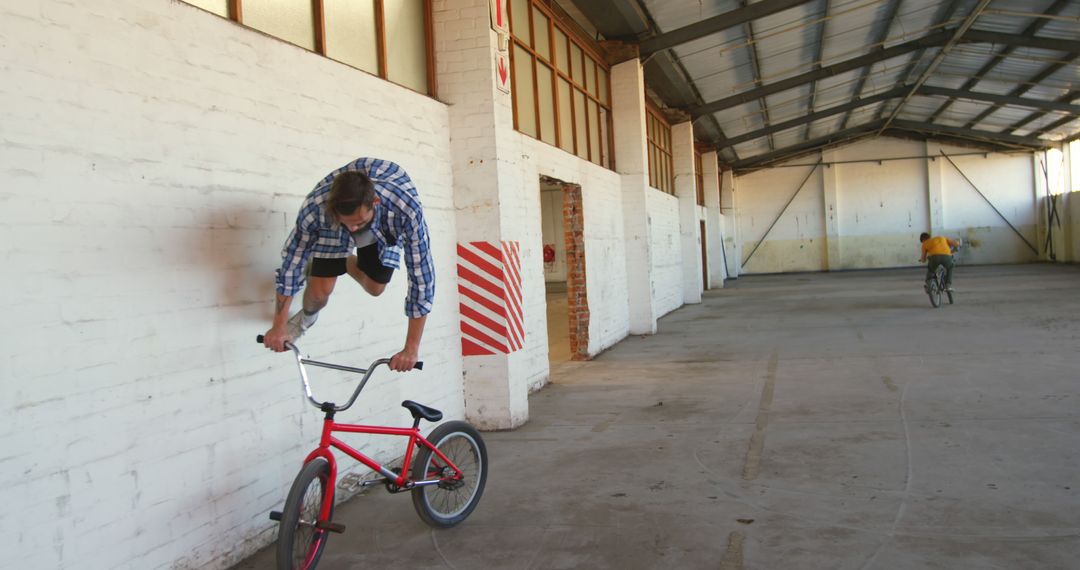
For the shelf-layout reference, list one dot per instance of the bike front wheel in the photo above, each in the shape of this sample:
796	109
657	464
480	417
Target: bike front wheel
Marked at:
449	502
300	543
934	292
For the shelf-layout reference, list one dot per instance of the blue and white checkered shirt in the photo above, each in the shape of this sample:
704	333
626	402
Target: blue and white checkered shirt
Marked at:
398	227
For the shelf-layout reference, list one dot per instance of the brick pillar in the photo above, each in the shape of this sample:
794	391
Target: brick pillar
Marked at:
486	193
631	161
935	175
576	291
830	191
714	220
682	156
729	208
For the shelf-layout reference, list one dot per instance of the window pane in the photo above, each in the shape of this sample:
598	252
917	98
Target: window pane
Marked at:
542	43
590	76
603	86
605	147
578	73
519	20
351	34
524	97
561	59
545	91
580	126
219	7
290	20
566	117
594	132
406	43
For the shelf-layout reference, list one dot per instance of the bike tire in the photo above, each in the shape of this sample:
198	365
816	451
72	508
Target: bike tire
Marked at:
934	292
300	544
447	504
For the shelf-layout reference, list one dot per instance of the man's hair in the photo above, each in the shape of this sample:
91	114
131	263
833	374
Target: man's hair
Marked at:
348	192
924	236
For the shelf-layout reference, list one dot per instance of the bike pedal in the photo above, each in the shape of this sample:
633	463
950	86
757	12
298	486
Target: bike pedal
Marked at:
275	516
330	527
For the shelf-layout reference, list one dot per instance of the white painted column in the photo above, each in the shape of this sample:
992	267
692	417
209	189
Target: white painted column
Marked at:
714	220
481	118
631	160
833	260
729	209
935	175
682	156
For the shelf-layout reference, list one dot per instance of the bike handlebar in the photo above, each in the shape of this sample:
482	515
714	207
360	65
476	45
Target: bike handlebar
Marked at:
301	361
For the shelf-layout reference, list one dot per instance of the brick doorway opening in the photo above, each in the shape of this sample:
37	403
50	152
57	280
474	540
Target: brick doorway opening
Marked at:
564	270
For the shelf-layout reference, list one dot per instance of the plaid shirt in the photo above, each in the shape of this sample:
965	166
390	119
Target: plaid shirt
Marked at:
398	227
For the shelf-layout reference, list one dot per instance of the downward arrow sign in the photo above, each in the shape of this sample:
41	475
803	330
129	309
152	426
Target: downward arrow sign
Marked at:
502	70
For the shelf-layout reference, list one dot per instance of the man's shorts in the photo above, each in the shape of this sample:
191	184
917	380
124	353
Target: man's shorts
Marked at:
367	259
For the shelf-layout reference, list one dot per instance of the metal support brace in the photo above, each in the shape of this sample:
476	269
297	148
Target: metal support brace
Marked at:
1033	248
1051	212
781	214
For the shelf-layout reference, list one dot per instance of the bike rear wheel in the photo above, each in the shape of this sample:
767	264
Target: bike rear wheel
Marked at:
300	543
451	501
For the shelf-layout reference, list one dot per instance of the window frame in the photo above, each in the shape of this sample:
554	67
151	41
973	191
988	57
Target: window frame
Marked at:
699	177
658	147
318	10
604	147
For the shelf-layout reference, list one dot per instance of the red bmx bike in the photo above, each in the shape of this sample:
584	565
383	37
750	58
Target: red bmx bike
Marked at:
445	472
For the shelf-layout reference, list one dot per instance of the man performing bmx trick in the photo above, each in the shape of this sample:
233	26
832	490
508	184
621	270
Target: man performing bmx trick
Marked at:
369	205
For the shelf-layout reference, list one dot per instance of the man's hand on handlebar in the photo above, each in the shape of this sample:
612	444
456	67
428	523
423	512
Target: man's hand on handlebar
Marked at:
275	339
404	361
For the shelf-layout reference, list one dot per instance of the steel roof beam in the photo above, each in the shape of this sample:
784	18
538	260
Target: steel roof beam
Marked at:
878	41
716	24
987	136
1020	40
999	99
1024	87
940	57
1066	98
1000	56
899	91
819	53
929	40
849	106
933	39
943	15
755	69
765	159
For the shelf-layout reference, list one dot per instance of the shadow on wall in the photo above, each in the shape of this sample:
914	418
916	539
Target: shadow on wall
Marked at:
236	255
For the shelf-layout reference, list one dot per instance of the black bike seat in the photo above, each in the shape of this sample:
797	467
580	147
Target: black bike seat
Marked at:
422	411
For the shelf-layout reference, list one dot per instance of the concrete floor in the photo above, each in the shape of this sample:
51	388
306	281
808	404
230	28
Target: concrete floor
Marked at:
558	318
800	421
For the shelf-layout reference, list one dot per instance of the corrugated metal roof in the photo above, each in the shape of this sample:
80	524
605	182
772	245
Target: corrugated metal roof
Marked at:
793	73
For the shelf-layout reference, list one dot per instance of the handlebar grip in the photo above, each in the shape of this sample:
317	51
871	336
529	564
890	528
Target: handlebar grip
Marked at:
259	339
419	365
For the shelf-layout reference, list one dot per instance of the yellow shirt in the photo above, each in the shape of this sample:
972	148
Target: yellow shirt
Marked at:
936	246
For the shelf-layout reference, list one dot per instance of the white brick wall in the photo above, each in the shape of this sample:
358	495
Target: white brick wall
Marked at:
666	273
153	157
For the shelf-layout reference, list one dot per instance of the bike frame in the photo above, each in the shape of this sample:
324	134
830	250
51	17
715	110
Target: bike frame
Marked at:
401	480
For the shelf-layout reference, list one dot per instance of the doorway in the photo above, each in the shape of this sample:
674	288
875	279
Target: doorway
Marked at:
563	246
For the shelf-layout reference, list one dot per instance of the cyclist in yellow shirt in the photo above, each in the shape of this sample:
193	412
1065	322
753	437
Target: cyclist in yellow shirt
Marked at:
939	249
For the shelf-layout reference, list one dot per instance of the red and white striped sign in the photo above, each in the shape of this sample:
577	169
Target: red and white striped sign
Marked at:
489	280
